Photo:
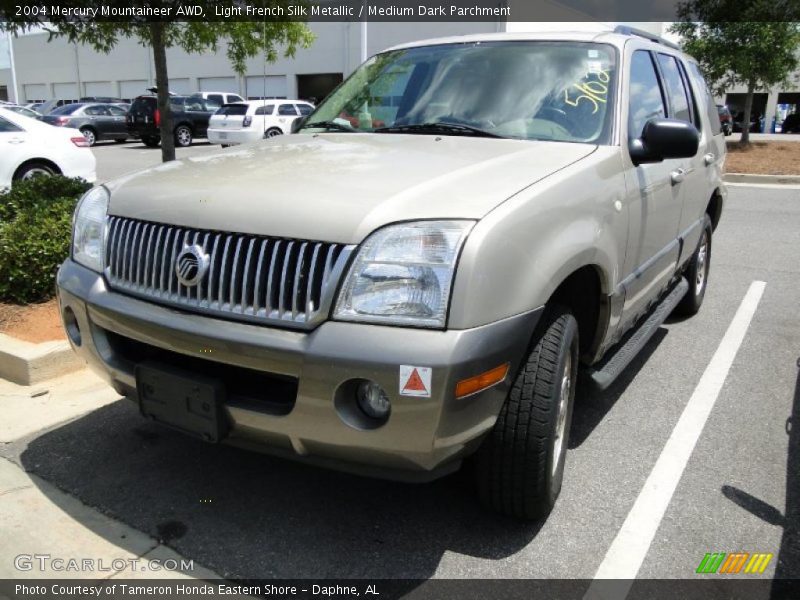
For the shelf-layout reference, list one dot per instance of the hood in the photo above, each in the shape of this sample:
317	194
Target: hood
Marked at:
338	187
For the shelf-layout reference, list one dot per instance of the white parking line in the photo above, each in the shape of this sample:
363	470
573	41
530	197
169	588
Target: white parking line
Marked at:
629	548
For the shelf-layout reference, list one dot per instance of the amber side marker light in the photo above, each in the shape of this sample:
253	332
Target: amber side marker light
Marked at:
467	387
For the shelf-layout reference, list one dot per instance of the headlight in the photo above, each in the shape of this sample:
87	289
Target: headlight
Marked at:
403	273
89	229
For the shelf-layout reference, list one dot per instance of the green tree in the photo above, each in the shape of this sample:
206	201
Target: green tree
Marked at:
756	55
245	39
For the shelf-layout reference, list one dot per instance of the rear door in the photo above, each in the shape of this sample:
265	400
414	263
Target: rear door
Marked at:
100	118
117	124
693	171
653	194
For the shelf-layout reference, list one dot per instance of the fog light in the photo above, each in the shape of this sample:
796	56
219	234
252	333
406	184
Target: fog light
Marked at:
373	400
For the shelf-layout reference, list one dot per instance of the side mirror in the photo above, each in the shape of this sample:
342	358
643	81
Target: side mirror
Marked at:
298	123
664	138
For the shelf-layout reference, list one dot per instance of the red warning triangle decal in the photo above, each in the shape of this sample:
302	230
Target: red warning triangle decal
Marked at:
414	383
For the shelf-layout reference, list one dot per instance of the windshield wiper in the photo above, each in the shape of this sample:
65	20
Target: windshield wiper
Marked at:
328	125
440	127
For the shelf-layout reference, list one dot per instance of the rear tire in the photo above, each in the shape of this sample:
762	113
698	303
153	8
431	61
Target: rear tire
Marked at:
151	142
520	465
697	273
272	132
90	135
183	136
33	169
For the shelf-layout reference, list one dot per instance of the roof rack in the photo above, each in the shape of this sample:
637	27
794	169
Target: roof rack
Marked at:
626	30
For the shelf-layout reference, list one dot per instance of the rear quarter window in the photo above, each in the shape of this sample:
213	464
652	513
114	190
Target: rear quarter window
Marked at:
705	98
265	110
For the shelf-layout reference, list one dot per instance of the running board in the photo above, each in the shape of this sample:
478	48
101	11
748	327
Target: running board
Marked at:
610	368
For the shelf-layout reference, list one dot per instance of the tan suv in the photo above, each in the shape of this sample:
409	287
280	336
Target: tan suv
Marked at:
419	275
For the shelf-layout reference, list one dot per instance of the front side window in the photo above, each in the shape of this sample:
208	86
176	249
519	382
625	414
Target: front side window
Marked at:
561	91
117	111
305	109
646	101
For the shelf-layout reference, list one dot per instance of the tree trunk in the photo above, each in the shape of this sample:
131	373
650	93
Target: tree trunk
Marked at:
162	83
748	108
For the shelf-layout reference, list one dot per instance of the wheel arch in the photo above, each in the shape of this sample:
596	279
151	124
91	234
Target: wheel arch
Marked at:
714	208
30	161
584	293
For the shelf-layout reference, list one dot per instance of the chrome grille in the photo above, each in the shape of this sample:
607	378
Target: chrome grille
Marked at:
250	278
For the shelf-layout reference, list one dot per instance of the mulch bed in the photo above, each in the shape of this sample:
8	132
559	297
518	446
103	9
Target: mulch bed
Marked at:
764	158
33	322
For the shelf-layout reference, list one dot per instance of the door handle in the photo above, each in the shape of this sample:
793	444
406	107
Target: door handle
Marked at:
16	141
676	176
709	158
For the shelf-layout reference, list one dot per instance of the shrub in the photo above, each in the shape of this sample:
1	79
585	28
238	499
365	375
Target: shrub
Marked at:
35	234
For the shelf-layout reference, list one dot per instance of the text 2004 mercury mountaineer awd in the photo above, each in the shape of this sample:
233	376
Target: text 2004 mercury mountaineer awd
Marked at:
417	275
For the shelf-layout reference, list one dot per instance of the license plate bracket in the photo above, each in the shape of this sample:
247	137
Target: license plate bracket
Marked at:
191	403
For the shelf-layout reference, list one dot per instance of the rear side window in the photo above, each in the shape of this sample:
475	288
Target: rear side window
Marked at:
706	99
232	109
265	110
235	98
287	109
646	101
95	111
216	98
66	109
679	98
8	126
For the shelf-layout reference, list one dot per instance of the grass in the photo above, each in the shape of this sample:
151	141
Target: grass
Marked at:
764	158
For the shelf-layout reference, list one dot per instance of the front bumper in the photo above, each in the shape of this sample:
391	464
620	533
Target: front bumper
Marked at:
424	437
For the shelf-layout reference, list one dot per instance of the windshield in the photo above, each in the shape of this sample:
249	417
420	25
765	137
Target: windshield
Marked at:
559	91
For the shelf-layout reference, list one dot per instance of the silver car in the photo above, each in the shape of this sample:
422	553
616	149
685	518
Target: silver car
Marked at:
419	275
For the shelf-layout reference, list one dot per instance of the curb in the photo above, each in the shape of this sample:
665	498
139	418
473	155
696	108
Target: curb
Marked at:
26	363
753	178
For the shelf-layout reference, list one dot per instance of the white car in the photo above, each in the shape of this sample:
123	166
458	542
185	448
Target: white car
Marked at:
29	147
243	122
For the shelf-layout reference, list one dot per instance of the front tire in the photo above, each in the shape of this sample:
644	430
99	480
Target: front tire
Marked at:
520	465
183	136
697	273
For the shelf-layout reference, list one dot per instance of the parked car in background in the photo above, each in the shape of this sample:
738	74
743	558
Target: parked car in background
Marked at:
34	106
218	97
95	121
190	115
22	110
243	122
755	125
725	119
31	148
791	124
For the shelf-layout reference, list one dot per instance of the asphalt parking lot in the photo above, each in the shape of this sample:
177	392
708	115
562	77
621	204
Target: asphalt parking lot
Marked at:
246	515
